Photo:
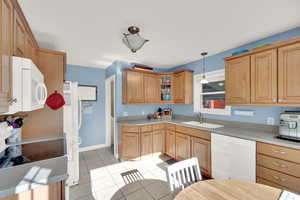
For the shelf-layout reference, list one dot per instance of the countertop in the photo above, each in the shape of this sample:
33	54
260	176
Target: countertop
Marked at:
248	131
25	177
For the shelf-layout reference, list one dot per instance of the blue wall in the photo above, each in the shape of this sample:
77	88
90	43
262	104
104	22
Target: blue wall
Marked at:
216	62
92	131
128	110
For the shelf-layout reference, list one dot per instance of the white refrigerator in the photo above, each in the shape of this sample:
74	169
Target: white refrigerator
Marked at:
72	124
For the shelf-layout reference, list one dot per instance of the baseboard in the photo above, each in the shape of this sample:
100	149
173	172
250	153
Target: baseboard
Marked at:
90	148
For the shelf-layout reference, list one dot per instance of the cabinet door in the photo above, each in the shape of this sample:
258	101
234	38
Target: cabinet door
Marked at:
170	143
179	88
134	87
201	150
19	36
237	74
159	141
130	145
146	143
47	192
152	88
288	74
183	146
6	25
30	51
264	77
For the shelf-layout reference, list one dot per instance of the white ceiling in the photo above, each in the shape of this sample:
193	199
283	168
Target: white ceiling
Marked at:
91	31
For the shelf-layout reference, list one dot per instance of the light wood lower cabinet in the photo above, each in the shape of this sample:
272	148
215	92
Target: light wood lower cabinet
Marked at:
159	141
146	143
201	150
183	146
47	192
178	142
170	143
278	166
130	146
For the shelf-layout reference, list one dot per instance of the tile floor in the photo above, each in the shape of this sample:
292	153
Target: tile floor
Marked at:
102	177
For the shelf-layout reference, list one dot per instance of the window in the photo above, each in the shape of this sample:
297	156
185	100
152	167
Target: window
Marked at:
210	98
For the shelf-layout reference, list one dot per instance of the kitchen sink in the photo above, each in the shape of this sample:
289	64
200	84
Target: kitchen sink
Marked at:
204	125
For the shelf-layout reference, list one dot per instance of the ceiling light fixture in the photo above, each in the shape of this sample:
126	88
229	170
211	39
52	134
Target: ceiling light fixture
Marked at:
203	79
133	40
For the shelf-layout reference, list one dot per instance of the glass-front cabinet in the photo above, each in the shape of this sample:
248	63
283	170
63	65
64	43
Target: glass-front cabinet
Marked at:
166	88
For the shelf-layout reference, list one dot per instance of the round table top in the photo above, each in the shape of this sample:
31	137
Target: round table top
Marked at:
219	189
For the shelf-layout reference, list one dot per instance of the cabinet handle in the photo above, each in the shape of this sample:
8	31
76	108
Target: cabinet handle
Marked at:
280	179
280	100
274	100
281	152
279	165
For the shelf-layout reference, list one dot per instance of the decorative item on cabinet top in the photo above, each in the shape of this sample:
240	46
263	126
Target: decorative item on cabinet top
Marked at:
267	76
143	87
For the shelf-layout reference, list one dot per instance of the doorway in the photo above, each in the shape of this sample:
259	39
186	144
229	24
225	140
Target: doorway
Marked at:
110	114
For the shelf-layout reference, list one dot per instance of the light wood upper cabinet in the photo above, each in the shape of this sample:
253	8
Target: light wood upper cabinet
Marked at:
274	73
146	143
133	87
289	74
152	92
6	39
201	150
183	87
237	73
151	88
30	50
19	36
170	143
183	146
159	141
264	77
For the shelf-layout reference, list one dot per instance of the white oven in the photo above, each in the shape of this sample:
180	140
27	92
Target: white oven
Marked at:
29	91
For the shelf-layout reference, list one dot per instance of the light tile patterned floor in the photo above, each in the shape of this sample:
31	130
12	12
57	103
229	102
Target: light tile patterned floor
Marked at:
102	177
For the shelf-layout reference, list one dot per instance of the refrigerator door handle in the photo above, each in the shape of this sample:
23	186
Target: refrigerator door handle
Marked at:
79	114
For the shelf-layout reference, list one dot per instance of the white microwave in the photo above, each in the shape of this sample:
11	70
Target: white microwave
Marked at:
29	91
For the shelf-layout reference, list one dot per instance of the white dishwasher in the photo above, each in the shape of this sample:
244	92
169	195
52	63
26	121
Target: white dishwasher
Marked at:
233	158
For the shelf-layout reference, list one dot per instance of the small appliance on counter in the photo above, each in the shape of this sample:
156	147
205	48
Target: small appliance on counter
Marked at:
163	114
290	125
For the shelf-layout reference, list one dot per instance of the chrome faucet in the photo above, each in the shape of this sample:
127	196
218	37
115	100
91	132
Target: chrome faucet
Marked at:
201	119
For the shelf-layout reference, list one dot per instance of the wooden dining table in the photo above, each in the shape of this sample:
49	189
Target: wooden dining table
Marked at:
220	189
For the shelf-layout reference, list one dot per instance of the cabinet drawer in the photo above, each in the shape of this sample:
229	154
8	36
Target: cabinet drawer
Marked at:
279	152
146	128
171	127
279	178
130	129
158	126
279	165
193	132
269	183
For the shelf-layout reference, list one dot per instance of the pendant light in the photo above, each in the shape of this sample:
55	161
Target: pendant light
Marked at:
133	40
203	79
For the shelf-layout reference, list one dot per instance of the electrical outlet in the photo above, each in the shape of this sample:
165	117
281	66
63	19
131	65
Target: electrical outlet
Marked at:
125	114
143	113
270	121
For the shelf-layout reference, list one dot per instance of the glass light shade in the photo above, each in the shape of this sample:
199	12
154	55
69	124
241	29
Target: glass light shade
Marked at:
203	80
134	41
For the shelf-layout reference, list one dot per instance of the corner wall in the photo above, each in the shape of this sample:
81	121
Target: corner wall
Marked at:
92	131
